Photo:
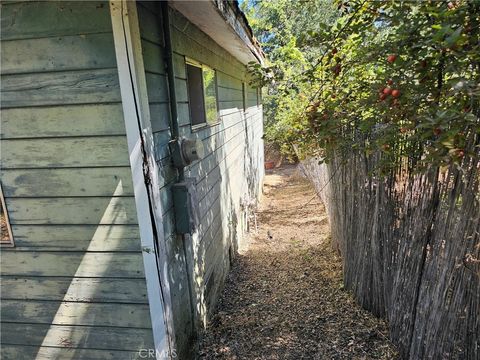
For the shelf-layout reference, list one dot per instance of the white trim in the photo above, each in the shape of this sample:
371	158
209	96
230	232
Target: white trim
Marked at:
136	111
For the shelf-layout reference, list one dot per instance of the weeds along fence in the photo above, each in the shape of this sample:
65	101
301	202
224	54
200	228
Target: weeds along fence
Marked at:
411	247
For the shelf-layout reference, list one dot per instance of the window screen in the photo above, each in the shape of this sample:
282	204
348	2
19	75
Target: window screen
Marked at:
210	89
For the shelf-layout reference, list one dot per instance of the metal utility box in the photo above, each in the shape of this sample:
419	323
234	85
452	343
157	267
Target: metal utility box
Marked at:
185	206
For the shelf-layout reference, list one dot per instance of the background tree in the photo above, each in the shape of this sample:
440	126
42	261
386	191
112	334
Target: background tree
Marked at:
397	77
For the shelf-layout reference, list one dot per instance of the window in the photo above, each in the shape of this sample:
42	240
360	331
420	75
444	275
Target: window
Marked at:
6	238
202	94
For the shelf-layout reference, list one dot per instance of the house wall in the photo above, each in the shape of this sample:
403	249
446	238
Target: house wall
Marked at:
228	178
73	286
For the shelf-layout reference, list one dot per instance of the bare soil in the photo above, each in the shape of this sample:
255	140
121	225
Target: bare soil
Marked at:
284	298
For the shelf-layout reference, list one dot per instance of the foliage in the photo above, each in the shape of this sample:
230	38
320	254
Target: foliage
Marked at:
391	77
288	31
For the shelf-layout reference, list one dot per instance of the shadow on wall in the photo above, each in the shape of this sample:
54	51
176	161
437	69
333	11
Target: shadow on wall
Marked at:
227	179
78	300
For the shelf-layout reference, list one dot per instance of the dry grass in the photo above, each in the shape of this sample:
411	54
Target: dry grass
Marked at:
284	298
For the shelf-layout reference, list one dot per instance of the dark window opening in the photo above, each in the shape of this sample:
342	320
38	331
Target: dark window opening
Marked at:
202	94
195	94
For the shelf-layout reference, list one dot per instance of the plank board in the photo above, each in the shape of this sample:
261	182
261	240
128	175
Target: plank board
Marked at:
179	66
161	140
62	88
160	117
230	95
15	352
75	52
181	91
74	289
23	263
74	120
76	313
228	81
183	114
153	57
21	20
65	152
67	182
76	336
156	87
77	237
87	210
151	27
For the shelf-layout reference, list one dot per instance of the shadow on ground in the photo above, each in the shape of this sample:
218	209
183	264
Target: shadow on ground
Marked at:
284	297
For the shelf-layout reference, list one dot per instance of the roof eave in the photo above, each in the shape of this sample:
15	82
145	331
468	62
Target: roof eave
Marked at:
226	24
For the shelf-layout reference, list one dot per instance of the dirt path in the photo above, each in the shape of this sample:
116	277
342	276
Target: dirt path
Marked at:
284	297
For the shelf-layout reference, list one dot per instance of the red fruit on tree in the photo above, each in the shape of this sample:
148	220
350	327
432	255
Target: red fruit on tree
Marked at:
437	131
334	51
391	58
395	93
387	91
390	82
383	96
460	153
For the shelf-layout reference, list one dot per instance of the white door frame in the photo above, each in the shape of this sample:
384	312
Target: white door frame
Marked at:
136	113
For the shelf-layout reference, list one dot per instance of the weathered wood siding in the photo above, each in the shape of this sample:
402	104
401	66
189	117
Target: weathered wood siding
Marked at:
152	40
228	178
73	286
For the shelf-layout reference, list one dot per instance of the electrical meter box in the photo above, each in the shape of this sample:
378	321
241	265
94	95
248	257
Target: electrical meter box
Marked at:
185	151
185	205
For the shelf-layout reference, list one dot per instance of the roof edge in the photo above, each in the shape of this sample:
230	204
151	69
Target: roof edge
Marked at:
235	17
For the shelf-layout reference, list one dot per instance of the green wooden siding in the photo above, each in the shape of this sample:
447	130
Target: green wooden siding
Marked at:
234	154
152	41
74	285
232	168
